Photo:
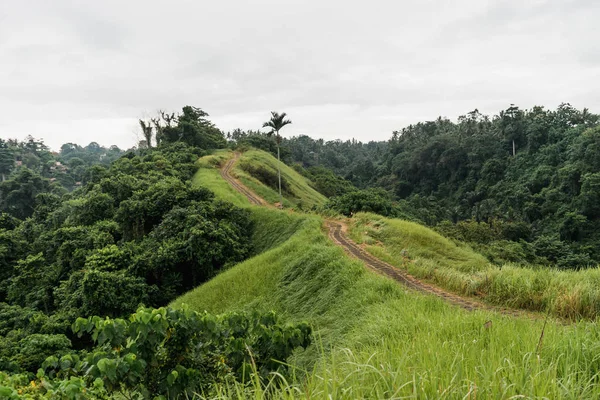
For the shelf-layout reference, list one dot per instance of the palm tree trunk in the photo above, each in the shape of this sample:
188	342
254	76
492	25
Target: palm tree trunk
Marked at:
279	177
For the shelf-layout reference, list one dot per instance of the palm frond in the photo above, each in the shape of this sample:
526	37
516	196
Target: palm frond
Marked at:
277	121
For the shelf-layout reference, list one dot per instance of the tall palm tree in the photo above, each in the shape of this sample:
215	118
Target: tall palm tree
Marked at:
277	122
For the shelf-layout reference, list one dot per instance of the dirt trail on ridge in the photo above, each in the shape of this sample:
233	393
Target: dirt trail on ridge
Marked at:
239	186
337	233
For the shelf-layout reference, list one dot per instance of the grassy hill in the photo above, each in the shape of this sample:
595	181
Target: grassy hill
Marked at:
300	192
375	339
208	176
253	163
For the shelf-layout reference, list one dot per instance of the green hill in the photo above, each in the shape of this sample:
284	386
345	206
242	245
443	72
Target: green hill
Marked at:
300	192
257	170
208	176
375	339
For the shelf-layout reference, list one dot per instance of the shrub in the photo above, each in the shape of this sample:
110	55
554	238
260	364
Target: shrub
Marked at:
172	353
369	200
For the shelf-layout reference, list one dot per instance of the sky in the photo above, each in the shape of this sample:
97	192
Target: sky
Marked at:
82	71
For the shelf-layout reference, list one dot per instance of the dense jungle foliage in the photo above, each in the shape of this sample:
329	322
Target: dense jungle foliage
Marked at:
133	232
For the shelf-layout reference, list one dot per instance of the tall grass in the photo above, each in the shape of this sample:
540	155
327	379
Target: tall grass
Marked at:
208	175
274	227
434	351
374	339
303	196
426	254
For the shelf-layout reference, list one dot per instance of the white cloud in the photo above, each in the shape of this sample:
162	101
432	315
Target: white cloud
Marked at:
85	71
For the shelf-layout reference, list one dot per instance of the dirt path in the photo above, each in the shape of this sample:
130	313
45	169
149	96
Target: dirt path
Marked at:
338	236
237	185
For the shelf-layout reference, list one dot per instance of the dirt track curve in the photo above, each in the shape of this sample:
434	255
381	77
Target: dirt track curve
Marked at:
237	185
337	235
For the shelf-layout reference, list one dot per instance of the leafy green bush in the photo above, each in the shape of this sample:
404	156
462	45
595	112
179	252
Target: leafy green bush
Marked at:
369	200
505	251
327	182
111	293
34	349
178	352
20	386
500	241
156	352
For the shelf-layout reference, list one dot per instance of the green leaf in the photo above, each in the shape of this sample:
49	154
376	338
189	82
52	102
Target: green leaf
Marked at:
172	377
108	368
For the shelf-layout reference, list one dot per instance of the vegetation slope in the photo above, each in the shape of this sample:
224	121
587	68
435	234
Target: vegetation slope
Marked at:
378	340
141	232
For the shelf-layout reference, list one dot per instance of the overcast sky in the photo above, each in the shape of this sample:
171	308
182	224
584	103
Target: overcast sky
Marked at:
82	71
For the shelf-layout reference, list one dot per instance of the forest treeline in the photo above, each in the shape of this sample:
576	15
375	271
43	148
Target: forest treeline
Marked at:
66	168
520	186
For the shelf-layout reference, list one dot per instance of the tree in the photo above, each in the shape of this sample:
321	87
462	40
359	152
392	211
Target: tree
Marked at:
147	132
32	283
369	200
511	124
192	129
327	182
93	147
276	123
590	195
191	244
7	159
112	293
17	195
